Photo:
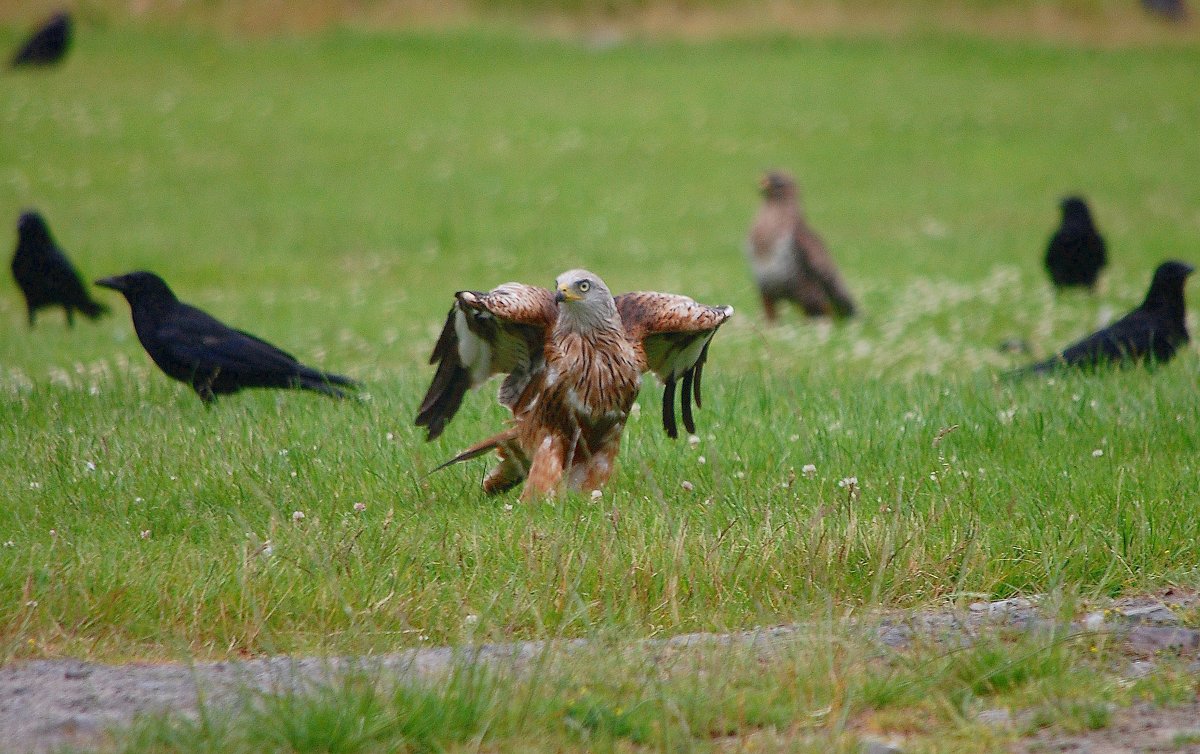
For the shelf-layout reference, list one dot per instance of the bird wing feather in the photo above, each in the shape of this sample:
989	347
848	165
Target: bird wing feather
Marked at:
672	334
502	331
197	337
815	263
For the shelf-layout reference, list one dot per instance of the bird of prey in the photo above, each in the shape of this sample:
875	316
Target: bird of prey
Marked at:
46	46
1151	333
1076	253
573	360
44	274
193	347
789	260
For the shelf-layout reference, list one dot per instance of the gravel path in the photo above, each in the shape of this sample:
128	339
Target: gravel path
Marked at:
48	703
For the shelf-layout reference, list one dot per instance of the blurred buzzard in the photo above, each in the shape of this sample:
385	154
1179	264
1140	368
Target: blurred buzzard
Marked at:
788	258
573	361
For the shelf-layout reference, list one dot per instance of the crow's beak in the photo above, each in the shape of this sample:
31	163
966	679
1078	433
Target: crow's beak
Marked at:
113	282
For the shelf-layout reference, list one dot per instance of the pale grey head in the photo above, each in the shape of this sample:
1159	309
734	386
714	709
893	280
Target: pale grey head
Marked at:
584	302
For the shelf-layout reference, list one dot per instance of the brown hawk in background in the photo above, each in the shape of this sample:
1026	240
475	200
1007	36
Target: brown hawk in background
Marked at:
788	258
573	360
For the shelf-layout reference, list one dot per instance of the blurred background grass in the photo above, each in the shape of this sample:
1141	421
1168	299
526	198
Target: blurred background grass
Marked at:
1094	21
330	190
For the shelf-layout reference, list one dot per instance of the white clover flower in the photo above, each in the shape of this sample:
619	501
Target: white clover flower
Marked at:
10	543
850	481
360	507
90	466
810	470
793	438
687	486
145	534
390	436
739	475
1097	453
597	494
693	440
701	460
508	507
53	532
35	485
297	515
470	619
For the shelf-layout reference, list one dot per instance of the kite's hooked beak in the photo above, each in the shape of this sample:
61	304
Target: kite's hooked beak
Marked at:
566	294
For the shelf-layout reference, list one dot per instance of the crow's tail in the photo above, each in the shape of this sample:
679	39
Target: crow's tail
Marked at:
326	383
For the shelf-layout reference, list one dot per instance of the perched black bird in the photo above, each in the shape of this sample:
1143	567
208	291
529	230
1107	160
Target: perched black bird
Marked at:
45	275
48	45
1076	252
214	359
1150	333
1168	10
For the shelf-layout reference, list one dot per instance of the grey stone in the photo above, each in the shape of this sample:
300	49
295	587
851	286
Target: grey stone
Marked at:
1153	639
998	717
1156	613
1140	669
1000	607
1177	736
878	746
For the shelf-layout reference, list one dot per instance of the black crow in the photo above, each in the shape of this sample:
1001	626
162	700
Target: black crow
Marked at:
48	45
45	275
1168	10
1150	333
193	347
1076	252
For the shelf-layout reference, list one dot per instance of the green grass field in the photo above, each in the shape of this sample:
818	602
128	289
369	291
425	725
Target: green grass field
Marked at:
329	193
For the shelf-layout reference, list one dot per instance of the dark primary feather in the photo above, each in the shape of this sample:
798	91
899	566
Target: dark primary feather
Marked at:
193	347
46	46
1152	332
674	333
44	274
1076	252
450	382
502	331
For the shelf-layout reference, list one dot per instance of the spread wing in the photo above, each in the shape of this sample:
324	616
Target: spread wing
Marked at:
502	331
673	333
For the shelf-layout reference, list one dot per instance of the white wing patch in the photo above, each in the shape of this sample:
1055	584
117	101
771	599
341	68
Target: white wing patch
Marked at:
473	351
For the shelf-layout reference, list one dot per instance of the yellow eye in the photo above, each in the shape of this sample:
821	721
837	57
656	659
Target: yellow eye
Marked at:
584	286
